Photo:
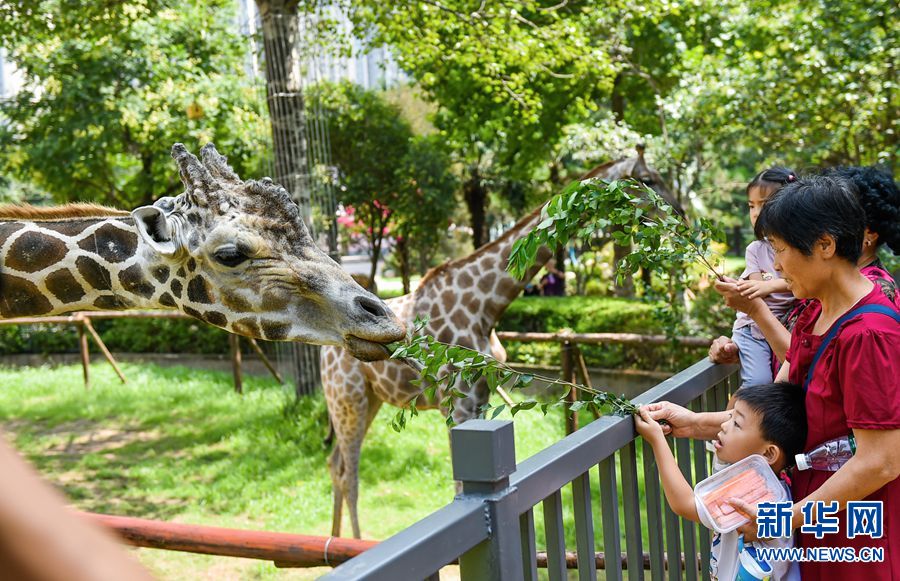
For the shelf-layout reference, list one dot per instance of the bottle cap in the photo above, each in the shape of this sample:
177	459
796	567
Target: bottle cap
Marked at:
800	460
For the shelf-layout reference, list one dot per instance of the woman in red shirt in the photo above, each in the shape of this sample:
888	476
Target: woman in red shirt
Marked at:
816	227
880	199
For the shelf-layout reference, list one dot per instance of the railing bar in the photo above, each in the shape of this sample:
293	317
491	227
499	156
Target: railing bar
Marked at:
529	548
555	466
688	530
420	549
556	537
700	473
609	505
654	513
584	527
631	501
673	543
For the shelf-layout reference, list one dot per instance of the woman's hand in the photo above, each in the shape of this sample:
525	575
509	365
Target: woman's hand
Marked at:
749	529
679	421
723	350
649	428
734	299
755	289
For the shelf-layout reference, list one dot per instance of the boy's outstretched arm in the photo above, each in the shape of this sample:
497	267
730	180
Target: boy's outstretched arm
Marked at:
679	493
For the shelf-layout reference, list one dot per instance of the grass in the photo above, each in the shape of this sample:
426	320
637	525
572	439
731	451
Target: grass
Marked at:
178	444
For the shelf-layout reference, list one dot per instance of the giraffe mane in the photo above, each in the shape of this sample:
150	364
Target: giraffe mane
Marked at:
65	212
602	168
513	231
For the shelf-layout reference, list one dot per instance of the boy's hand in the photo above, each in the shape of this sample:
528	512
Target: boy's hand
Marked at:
648	427
749	529
679	420
755	289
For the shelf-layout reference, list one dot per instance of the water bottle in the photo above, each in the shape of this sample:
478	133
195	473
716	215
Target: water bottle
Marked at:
829	456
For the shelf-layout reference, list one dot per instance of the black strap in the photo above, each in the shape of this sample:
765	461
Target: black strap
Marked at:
836	327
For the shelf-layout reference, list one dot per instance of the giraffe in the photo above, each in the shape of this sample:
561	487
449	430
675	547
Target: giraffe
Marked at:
235	254
463	299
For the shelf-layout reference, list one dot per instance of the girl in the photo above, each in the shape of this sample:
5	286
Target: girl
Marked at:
760	279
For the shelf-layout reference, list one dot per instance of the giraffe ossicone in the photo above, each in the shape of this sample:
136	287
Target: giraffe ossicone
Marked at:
235	254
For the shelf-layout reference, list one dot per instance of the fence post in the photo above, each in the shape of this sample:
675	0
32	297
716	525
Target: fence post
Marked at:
568	374
484	455
85	353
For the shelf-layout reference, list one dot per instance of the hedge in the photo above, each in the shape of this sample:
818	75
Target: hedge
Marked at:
592	315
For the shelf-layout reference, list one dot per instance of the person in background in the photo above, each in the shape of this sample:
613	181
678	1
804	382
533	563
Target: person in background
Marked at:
553	284
880	199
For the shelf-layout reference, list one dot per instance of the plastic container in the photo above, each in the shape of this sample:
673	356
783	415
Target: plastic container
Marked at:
750	479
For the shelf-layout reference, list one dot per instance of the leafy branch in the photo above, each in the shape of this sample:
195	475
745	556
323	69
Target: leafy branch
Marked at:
441	366
632	214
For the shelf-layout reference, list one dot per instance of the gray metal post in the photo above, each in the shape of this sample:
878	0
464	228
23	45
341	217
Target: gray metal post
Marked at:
484	455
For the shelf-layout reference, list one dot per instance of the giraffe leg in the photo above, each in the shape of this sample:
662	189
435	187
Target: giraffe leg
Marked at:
334	467
352	470
351	406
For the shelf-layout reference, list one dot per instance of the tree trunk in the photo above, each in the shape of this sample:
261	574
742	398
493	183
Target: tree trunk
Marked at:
617	99
626	289
560	258
404	259
476	196
284	97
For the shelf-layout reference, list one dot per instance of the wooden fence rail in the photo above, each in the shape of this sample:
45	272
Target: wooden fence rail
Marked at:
83	320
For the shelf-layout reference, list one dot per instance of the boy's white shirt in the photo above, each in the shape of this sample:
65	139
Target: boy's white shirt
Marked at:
724	554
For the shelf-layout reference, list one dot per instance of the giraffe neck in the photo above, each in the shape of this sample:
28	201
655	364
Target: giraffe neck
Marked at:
475	291
58	266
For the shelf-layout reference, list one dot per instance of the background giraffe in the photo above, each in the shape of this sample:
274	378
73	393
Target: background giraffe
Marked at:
463	299
234	254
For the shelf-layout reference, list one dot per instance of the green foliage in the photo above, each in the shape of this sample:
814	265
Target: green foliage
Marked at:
633	215
109	88
441	366
506	75
385	173
659	240
580	314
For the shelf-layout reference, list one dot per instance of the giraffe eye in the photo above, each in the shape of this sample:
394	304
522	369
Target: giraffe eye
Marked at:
229	256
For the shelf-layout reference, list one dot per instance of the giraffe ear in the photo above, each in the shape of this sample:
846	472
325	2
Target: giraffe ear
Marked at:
153	226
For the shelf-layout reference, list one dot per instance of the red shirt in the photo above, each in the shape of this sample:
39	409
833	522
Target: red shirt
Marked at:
856	384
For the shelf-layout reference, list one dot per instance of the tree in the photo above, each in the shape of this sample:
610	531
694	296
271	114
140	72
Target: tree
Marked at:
506	77
397	184
424	207
110	87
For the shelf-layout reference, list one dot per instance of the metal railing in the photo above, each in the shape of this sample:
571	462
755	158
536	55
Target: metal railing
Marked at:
490	525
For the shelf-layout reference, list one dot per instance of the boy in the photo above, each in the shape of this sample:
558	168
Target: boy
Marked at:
769	420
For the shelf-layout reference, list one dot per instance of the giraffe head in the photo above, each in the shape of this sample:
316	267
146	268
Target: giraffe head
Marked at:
638	169
242	259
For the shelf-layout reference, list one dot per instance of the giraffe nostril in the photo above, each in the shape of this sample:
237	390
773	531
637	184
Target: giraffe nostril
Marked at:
372	307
